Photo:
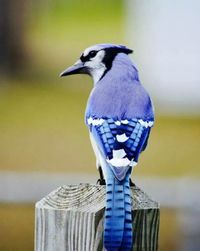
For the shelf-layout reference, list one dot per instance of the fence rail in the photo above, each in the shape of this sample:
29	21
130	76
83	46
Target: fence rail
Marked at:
32	186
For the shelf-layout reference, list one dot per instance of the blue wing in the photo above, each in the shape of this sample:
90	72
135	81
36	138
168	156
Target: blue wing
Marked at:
120	142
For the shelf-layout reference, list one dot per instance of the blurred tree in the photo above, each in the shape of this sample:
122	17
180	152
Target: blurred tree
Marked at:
12	35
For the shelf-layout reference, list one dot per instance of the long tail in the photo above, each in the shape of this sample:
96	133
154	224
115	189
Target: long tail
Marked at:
118	218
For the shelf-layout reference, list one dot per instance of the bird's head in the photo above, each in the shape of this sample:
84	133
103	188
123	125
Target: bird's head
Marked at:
96	60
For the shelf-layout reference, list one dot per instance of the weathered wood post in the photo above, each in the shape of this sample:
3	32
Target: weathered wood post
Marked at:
71	219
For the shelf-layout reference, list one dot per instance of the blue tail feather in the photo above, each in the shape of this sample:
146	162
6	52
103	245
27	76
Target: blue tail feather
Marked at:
118	218
128	234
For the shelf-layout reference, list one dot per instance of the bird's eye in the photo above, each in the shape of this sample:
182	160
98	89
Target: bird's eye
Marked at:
92	54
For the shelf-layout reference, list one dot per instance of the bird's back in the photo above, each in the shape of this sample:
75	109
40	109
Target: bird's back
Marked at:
120	94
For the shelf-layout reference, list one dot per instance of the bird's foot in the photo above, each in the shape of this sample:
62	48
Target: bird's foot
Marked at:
132	184
101	182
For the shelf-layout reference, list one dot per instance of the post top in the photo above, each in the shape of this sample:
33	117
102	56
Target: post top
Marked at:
89	198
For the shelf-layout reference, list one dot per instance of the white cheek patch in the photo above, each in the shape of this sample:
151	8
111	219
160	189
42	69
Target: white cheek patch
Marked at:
97	74
96	62
96	67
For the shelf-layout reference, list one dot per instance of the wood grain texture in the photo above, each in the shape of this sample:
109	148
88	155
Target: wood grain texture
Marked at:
71	219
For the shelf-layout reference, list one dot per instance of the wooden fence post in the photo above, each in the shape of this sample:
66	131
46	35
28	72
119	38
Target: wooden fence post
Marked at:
71	219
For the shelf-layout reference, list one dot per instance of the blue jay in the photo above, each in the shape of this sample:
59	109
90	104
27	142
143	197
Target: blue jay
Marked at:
119	115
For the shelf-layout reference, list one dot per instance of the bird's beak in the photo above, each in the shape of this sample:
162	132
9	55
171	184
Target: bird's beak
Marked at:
77	68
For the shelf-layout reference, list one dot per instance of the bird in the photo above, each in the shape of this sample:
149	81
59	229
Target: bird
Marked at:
119	115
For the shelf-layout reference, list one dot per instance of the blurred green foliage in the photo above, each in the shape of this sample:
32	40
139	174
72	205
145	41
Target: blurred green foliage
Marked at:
58	32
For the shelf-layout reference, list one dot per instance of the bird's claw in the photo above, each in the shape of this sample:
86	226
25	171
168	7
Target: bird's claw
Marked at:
101	182
132	184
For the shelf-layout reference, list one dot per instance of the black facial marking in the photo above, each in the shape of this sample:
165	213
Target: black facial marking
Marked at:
90	55
110	54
